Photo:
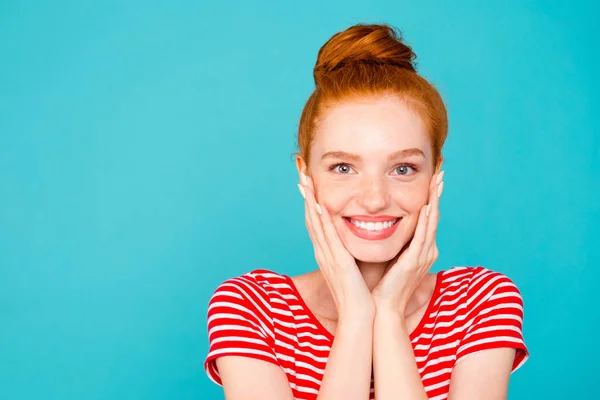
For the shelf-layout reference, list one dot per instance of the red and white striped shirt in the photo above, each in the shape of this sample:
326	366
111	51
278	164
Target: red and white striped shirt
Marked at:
261	315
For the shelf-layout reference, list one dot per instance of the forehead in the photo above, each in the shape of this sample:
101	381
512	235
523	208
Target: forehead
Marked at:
367	126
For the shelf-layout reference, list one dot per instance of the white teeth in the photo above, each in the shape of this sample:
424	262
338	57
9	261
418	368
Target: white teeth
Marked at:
373	226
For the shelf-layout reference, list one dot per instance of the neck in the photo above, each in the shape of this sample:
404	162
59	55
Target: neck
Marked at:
371	272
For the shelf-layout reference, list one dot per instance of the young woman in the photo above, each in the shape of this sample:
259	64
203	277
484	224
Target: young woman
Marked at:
371	321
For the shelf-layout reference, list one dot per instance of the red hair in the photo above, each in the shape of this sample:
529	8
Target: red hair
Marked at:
371	60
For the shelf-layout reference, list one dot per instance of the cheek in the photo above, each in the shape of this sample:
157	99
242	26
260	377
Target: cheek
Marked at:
413	199
334	198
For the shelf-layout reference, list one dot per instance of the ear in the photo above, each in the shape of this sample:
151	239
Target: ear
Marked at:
301	167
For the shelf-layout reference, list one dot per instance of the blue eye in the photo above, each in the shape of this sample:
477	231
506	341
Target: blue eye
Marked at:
343	170
404	167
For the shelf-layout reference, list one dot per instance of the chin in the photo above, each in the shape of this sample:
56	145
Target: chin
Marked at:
372	254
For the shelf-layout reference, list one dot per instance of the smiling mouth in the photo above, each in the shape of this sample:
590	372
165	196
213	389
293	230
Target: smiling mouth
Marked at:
373	226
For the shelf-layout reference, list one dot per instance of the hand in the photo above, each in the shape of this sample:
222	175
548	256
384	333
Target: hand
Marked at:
345	282
405	272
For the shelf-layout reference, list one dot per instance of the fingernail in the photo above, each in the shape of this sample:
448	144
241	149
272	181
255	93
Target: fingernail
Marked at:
439	191
304	180
319	209
427	210
302	191
439	178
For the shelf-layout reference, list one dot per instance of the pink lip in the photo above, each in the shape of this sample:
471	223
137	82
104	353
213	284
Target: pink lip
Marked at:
372	235
369	218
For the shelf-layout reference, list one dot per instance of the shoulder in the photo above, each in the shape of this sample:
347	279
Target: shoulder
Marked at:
472	290
240	319
477	280
263	280
256	288
489	311
479	292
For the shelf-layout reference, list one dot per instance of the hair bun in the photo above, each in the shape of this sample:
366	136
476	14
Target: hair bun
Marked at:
364	44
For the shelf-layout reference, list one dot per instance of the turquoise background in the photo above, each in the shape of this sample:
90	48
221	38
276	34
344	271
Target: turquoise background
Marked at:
145	156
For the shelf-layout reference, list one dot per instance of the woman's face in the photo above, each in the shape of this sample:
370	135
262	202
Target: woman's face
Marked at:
371	164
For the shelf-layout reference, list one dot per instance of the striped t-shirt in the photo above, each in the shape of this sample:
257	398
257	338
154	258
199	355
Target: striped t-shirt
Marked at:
261	315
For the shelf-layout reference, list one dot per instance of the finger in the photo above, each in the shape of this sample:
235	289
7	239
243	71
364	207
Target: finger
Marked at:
418	240
315	222
335	244
434	212
433	255
310	187
319	254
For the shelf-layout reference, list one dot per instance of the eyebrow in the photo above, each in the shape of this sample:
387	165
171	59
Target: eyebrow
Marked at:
355	157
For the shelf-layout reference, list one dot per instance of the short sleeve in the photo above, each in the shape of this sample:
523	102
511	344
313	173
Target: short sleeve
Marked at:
495	319
239	323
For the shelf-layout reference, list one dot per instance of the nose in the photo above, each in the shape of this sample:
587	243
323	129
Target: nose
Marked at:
374	195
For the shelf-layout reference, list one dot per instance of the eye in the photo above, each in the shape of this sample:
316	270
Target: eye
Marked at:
341	168
405	167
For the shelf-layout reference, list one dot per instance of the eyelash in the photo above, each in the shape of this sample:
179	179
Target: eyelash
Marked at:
414	167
